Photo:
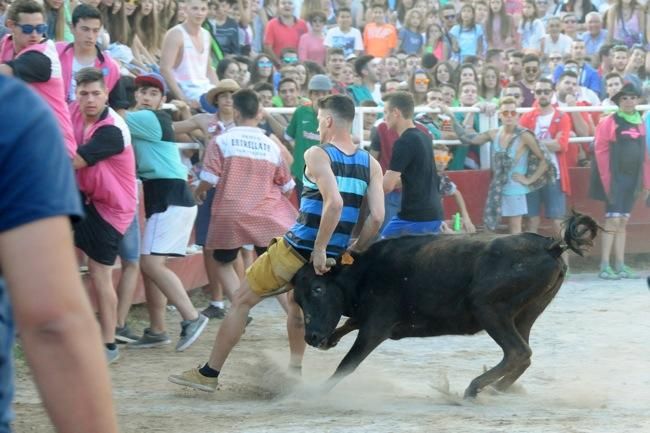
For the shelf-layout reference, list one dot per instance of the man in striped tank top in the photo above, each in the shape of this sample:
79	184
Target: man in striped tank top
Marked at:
337	177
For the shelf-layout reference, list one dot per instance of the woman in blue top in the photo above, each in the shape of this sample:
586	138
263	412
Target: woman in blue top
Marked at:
468	34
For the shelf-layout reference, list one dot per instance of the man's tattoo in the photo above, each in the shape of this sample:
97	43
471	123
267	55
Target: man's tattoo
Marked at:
464	136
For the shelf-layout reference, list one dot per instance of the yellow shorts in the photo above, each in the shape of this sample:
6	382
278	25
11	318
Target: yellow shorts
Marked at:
272	272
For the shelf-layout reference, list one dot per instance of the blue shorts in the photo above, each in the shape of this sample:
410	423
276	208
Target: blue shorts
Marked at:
130	244
553	199
203	218
6	359
622	197
397	227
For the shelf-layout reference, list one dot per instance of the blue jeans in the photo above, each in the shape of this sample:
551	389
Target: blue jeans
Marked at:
398	227
130	243
6	359
392	205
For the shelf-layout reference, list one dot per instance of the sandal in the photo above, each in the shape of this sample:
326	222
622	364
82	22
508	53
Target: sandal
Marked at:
609	274
628	273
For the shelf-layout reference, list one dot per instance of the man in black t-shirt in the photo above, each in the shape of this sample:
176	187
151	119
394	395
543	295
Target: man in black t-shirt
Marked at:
412	166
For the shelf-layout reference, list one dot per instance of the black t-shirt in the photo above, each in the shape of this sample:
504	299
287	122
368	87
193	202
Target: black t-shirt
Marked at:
413	158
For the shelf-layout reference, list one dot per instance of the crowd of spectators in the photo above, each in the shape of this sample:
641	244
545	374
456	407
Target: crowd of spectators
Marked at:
186	59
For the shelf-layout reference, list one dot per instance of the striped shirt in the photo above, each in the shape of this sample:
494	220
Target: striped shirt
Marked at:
352	174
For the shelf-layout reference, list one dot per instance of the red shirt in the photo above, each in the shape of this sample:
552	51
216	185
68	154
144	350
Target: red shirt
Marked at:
280	36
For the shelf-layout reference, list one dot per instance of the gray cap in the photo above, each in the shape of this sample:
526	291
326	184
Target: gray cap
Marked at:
320	82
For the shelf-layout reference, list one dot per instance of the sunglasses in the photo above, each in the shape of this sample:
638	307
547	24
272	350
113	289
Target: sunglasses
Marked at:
318	20
570	21
514	95
508	113
424	81
132	2
543	92
264	64
443	158
290	60
450	17
555	59
28	29
531	70
629	97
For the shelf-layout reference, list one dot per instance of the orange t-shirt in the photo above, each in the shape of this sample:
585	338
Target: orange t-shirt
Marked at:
379	40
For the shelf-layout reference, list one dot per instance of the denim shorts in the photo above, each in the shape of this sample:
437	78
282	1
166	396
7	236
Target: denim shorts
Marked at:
398	227
203	218
513	205
130	244
551	197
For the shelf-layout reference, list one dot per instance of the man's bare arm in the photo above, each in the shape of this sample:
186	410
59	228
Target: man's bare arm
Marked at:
391	181
171	46
375	204
58	329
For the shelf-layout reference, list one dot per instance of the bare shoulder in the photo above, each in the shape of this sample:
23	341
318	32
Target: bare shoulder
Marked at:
174	35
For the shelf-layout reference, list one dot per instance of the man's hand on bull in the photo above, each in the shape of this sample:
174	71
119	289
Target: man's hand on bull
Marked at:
468	225
319	259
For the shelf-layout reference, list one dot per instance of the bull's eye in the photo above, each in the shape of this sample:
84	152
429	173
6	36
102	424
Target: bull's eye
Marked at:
307	319
317	290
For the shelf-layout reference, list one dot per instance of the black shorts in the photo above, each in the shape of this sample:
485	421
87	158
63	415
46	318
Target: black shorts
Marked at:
623	195
227	256
96	237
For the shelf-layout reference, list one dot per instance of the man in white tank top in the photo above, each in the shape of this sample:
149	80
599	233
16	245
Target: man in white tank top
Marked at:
185	58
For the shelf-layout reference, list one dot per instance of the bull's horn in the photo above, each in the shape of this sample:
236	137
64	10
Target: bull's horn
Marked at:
329	262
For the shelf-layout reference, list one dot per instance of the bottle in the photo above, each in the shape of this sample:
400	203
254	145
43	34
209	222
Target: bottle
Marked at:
457	224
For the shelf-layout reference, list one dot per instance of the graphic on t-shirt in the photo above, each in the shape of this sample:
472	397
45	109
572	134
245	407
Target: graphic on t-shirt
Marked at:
344	42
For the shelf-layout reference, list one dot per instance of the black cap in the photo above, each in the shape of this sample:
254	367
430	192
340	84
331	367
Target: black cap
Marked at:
627	89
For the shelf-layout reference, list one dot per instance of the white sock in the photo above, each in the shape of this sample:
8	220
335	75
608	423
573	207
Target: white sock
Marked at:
218	304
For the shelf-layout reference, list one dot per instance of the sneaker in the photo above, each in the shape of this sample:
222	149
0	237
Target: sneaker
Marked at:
213	312
628	273
124	335
608	274
112	355
190	331
194	379
150	339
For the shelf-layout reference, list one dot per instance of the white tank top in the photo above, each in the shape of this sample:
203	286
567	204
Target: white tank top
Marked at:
191	71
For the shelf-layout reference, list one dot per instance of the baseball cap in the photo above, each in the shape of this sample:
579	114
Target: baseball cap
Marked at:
152	79
320	83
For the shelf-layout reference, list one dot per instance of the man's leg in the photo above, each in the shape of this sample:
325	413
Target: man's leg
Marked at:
296	332
169	284
102	278
156	303
619	244
233	325
606	243
126	289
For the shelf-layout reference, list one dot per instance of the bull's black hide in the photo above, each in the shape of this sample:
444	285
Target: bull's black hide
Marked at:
423	286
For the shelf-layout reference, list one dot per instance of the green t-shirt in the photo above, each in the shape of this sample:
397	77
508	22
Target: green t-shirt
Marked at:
303	130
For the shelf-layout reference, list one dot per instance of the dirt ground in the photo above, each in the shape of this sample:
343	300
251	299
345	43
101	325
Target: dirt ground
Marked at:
590	373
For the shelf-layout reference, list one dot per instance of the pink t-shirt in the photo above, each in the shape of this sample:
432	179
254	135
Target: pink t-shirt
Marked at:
52	90
109	184
311	47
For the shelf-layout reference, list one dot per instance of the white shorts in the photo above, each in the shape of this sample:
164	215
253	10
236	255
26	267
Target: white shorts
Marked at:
168	233
513	205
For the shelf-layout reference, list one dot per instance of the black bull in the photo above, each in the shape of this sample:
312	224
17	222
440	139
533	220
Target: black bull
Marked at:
425	286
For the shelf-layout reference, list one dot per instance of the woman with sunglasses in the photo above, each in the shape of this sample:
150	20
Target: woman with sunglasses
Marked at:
511	177
311	45
262	70
620	170
419	84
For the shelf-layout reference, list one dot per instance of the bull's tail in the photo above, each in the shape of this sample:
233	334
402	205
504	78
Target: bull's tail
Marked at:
579	233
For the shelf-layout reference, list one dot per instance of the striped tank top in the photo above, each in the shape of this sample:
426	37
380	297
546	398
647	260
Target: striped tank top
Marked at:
352	174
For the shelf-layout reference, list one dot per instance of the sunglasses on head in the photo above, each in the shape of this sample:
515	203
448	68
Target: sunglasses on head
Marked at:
508	113
445	157
28	29
543	91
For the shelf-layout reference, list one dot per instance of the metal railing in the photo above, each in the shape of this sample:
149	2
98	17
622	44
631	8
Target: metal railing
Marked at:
485	123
